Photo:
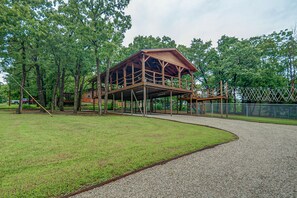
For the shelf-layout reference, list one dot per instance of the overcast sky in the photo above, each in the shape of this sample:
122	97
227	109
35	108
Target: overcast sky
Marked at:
183	20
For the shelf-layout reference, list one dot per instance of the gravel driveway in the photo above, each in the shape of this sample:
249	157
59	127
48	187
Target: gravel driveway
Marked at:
262	163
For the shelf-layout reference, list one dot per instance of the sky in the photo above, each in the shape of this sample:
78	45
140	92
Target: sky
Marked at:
183	20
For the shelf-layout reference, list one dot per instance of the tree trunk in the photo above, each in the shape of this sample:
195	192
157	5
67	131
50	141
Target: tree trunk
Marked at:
62	86
9	95
80	93
20	108
106	86
234	94
98	71
54	96
76	87
234	98
39	86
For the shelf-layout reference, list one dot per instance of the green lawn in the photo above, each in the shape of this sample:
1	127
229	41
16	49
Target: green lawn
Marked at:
4	106
43	156
258	119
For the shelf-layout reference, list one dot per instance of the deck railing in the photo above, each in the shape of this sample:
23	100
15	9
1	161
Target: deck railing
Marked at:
150	77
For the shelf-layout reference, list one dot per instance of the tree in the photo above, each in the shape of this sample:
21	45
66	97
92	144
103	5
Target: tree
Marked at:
95	18
147	42
14	31
203	56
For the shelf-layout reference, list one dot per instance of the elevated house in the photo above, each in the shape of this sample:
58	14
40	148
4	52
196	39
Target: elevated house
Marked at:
146	75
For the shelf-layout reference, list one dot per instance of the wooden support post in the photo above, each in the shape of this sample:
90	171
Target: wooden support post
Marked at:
132	73
192	82
122	102
93	97
191	103
117	79
226	95
143	68
125	106
171	102
196	107
171	81
144	100
125	77
179	77
221	93
163	75
154	77
131	102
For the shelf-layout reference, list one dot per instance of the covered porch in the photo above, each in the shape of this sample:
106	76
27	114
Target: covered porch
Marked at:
146	76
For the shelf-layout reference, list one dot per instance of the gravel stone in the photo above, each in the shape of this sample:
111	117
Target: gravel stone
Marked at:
262	163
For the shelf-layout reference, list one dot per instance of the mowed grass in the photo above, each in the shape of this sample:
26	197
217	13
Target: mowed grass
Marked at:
258	119
43	156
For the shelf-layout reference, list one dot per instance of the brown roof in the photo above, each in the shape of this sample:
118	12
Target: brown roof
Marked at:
170	55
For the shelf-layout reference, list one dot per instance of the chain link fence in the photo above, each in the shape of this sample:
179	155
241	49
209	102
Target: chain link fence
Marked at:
288	111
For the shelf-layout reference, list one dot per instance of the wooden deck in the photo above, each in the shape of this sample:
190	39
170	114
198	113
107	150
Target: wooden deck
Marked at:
147	75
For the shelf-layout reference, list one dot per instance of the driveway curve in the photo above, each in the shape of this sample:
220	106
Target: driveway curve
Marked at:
262	163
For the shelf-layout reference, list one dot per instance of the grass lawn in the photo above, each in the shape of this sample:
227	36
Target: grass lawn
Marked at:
4	106
43	156
259	119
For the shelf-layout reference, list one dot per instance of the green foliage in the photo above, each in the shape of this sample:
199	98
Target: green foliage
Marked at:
3	92
61	154
147	42
264	61
41	39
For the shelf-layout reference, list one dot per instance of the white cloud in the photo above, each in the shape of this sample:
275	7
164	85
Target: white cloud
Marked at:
184	20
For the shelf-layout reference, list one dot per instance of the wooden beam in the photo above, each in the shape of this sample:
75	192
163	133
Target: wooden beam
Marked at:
163	73
125	77
146	58
143	68
191	103
132	73
117	79
122	101
196	107
179	77
125	106
144	100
